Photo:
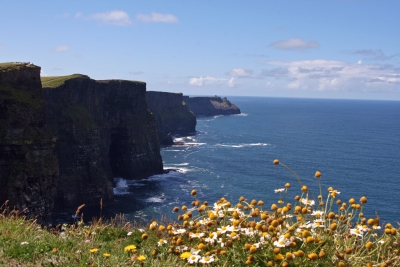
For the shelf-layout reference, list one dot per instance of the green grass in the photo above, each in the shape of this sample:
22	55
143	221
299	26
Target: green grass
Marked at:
298	232
14	65
56	81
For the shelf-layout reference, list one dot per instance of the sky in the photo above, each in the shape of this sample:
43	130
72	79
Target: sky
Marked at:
342	49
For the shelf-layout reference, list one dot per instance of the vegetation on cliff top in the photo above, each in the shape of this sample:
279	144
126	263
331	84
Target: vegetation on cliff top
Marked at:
6	66
325	231
56	81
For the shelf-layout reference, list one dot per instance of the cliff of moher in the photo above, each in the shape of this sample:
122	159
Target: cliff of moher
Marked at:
172	115
61	145
104	130
210	106
28	164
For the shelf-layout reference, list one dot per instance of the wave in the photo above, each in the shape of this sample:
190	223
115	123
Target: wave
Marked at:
121	187
241	114
242	145
157	199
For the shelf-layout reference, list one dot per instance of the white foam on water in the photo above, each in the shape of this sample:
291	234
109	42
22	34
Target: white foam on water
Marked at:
156	199
258	144
180	164
241	114
121	187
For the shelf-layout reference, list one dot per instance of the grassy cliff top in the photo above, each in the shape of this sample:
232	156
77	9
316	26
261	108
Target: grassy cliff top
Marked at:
56	81
14	65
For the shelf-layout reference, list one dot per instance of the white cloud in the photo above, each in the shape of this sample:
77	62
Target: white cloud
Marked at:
61	48
241	73
329	75
157	17
115	17
209	80
295	44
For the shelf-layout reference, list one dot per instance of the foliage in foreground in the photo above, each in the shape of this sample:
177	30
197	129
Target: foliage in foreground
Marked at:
307	232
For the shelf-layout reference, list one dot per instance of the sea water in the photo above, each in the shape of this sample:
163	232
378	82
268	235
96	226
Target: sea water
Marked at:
355	144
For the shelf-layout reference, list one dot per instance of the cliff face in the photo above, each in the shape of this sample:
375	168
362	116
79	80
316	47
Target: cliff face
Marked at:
211	106
104	130
171	114
28	165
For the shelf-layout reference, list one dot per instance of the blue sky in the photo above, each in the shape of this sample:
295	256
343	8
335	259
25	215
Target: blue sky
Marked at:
319	49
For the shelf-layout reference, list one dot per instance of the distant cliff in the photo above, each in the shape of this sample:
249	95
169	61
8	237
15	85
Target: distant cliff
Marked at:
28	164
210	106
171	114
104	130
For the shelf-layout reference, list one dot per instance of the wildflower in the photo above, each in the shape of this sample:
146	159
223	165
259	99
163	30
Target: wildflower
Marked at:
130	248
129	234
55	250
282	242
307	201
279	190
145	236
276	162
193	259
193	193
185	255
196	235
106	255
207	259
94	250
179	231
181	248
317	213
356	231
318	174
161	242
141	258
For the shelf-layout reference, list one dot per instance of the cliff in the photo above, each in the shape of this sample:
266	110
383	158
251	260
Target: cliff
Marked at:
104	130
210	106
171	114
28	165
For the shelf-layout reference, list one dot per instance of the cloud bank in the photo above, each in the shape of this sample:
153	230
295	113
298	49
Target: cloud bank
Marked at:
328	75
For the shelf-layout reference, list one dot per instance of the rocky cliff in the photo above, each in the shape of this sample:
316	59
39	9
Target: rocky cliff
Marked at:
171	114
28	164
104	130
210	106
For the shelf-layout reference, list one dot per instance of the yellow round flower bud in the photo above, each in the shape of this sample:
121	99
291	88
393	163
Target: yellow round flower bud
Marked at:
312	256
193	193
369	245
276	162
318	174
363	200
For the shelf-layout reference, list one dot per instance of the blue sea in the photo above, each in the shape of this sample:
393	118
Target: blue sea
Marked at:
355	144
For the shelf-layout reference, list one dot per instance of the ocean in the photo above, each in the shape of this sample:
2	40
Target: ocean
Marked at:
355	144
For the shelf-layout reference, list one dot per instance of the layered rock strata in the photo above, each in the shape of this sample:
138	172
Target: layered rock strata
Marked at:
104	130
28	165
172	115
210	106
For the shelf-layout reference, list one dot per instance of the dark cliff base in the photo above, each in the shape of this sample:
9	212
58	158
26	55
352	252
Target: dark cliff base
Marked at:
210	106
172	115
